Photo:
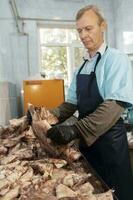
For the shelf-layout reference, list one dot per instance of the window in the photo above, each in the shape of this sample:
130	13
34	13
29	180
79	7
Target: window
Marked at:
60	52
128	42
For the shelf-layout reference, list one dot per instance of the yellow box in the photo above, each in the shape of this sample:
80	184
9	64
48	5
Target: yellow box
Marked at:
48	93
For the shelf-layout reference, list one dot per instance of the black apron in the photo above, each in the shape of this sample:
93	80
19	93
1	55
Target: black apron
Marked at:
109	155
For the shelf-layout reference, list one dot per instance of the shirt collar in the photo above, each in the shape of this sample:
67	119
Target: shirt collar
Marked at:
101	50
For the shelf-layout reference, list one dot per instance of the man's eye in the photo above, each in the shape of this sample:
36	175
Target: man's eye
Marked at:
79	30
88	28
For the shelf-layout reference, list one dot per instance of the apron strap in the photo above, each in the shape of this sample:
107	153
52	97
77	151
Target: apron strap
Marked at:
82	66
97	61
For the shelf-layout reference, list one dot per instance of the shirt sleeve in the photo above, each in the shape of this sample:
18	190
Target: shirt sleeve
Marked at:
100	121
118	83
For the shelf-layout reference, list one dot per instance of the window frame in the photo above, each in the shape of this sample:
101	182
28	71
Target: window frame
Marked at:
69	46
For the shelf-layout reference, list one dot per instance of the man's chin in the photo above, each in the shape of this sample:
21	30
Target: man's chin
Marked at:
89	47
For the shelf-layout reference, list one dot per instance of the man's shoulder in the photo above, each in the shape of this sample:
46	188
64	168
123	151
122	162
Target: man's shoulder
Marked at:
117	58
115	52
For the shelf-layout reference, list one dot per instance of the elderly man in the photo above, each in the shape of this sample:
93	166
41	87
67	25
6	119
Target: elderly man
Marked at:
100	90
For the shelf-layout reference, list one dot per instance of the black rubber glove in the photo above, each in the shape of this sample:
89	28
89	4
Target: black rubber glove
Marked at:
63	134
29	117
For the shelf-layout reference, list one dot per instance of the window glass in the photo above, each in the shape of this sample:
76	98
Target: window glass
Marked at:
52	35
78	56
53	59
60	52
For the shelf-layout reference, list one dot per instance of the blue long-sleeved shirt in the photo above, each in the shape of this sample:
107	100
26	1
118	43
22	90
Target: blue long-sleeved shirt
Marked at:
114	77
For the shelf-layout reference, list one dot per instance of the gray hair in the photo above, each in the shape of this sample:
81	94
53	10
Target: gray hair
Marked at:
94	8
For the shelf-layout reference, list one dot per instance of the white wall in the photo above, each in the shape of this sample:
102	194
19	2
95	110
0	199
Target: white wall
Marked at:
123	22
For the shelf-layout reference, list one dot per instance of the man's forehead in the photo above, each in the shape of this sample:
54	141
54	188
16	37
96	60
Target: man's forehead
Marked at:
89	18
90	14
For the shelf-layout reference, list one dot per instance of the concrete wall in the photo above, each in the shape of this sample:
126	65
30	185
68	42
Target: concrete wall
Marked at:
19	56
123	23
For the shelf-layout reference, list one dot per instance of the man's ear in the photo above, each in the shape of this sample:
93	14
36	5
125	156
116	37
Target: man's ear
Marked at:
103	26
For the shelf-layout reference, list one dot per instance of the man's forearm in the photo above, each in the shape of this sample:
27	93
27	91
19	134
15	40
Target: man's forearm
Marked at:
94	125
64	111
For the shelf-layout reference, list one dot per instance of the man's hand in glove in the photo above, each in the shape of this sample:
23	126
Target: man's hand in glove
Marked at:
63	134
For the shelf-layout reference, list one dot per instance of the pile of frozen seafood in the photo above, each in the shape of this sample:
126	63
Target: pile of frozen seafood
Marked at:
32	167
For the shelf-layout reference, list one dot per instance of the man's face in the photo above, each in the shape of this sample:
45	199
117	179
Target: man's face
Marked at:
90	30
